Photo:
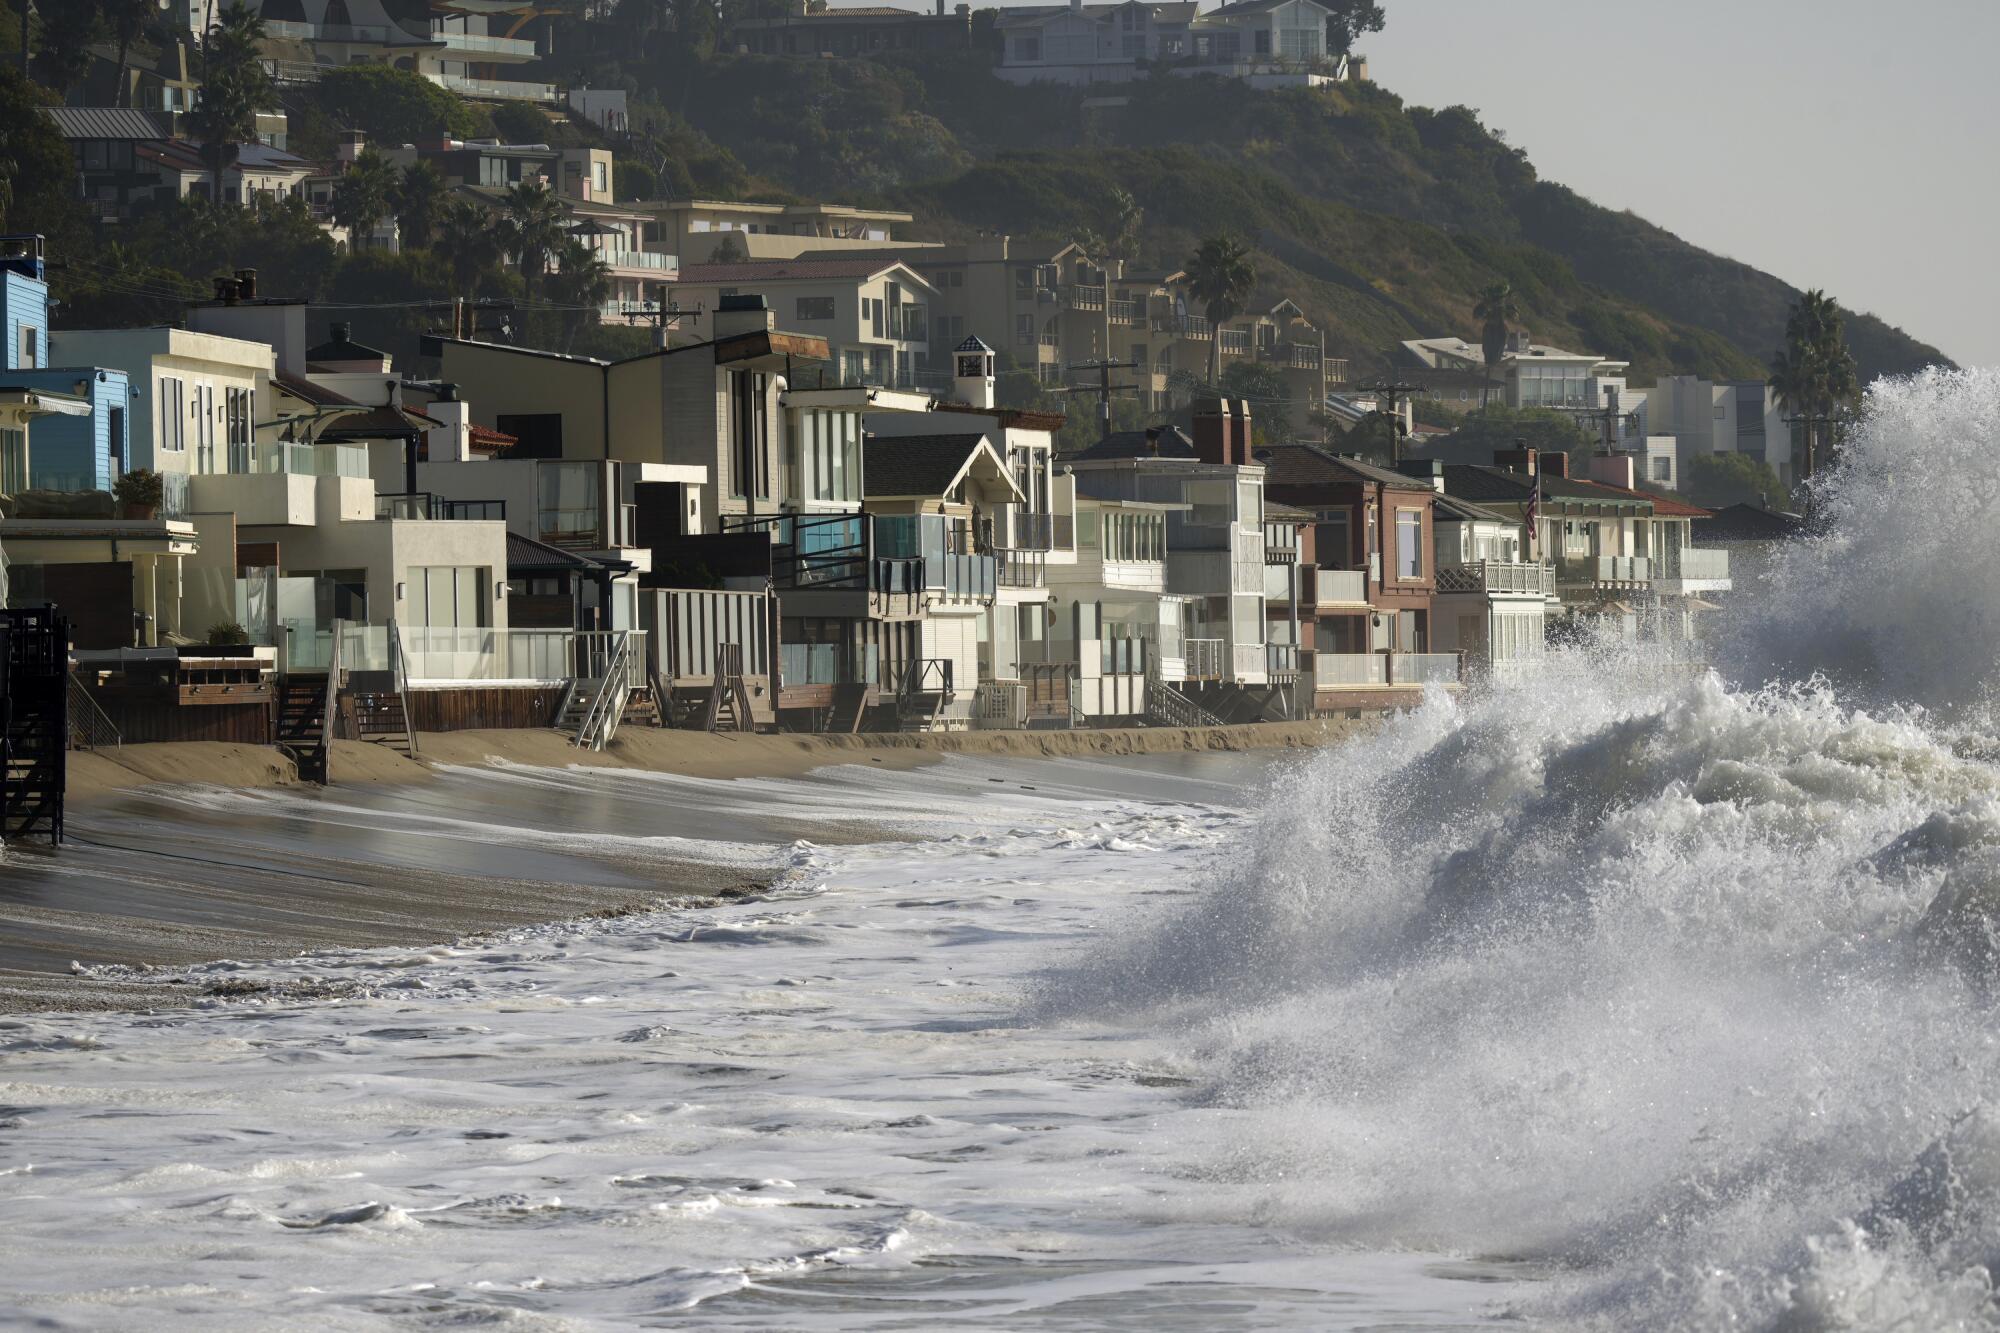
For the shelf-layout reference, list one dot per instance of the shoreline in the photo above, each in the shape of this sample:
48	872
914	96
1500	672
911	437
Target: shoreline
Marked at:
153	889
95	775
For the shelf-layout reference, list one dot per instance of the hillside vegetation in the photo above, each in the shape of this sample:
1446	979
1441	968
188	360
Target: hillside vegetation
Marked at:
1383	220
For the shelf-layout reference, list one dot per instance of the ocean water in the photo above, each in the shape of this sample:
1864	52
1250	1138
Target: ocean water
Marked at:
1628	997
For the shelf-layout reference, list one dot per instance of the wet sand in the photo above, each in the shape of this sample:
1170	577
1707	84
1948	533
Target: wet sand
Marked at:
184	854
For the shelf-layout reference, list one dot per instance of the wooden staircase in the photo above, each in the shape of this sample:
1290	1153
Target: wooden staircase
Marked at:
850	705
34	723
302	729
1168	707
925	690
384	718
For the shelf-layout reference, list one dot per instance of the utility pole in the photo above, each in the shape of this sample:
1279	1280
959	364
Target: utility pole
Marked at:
1104	388
1607	419
1814	422
1391	393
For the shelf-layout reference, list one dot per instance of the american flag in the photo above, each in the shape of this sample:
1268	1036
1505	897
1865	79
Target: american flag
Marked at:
1530	517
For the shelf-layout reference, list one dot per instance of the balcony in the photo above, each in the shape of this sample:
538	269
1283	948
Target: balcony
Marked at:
644	260
365	34
1498	576
1290	356
1198	329
1609	572
1281	659
422	506
1203	659
1086	295
1022	569
1340	587
1423	668
480	46
1335	369
827	664
1235	342
1281	543
1347	671
1692	569
495	90
1129	314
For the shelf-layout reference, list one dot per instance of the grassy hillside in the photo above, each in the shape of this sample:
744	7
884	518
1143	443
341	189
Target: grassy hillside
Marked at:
1382	220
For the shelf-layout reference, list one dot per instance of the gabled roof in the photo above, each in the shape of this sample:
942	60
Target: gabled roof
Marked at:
1669	506
1449	507
1310	465
1498	485
105	122
790	270
527	553
925	466
1243	9
1749	523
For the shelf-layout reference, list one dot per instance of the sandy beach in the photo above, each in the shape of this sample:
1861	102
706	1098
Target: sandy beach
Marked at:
183	854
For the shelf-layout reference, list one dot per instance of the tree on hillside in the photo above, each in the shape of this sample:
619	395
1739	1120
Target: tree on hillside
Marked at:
361	196
1221	276
1495	311
468	241
1349	21
1263	386
37	171
234	88
1815	376
391	106
419	199
1502	427
68	30
532	229
580	283
127	21
1718	480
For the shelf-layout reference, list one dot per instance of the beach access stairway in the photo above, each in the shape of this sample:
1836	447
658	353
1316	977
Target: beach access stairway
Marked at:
1168	707
34	723
922	693
719	704
611	671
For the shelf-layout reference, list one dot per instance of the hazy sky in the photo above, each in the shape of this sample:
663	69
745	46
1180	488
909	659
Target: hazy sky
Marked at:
1846	144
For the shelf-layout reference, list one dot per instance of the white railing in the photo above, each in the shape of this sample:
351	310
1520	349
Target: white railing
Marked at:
1202	659
435	655
1594	569
1424	669
485	44
1350	670
505	90
1342	585
1694	562
1497	576
640	259
271	457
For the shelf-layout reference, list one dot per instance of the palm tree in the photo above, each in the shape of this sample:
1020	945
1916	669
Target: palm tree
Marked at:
1814	374
234	88
531	230
1495	311
361	195
419	201
580	283
127	19
466	237
1221	276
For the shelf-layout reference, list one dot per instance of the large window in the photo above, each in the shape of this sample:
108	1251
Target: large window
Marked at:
815	308
30	348
13	462
239	413
750	455
1552	386
537	434
1134	536
1409	543
172	413
570	510
830	452
448	596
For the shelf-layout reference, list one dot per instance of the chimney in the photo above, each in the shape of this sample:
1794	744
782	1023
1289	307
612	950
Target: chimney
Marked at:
352	143
246	283
1518	459
1241	435
450	441
746	313
1212	430
1153	441
227	290
1612	470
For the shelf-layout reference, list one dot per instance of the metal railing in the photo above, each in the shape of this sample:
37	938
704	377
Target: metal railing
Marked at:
640	259
1087	295
1128	313
500	89
1022	569
1281	659
1169	707
1235	342
90	727
425	506
623	670
486	44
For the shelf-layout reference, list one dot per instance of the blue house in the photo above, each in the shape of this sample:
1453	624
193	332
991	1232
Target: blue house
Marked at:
81	452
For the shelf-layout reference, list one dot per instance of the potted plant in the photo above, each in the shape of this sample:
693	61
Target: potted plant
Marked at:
227	634
139	493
